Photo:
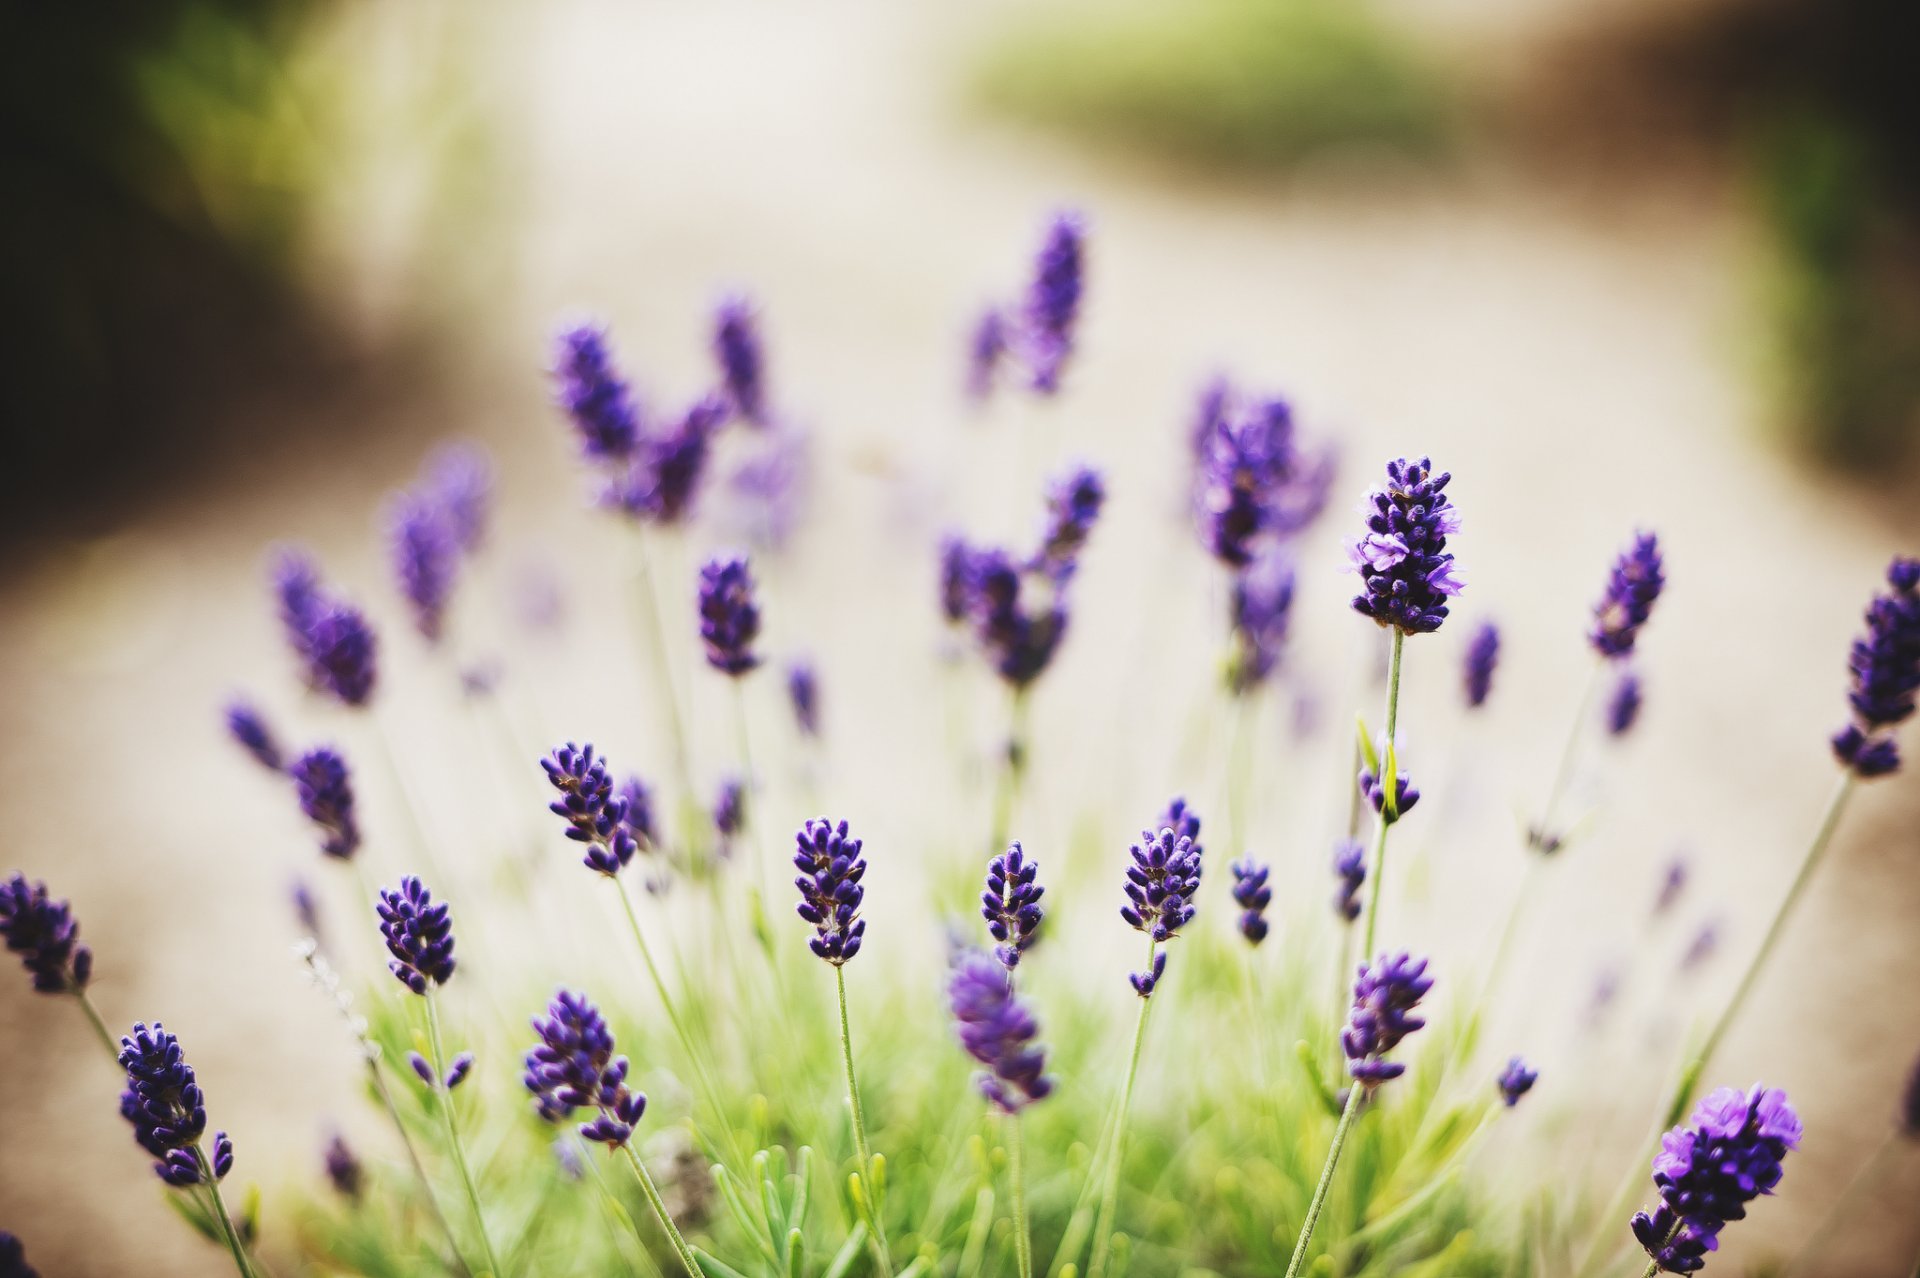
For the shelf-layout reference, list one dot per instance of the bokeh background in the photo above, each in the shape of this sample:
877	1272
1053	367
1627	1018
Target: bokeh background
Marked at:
1612	264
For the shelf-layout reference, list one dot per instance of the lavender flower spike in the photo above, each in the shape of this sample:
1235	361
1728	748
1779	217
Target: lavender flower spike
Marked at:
1384	999
737	349
419	935
1515	1081
1011	904
325	789
1183	821
1262	613
1253	896
729	618
1707	1171
1160	886
425	556
341	653
574	1067
1019	637
164	1104
42	931
344	1170
1053	301
1403	562
831	868
1073	504
1885	665
249	729
1483	654
1632	587
664	476
1350	867
730	808
594	815
803	691
998	1031
1623	707
594	394
13	1258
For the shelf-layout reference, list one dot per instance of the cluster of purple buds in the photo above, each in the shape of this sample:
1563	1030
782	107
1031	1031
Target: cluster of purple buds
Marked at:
803	691
1632	587
737	350
1885	667
594	814
1011	904
43	932
1707	1171
1406	571
425	559
730	808
1483	654
1375	790
998	1031
1041	334
831	868
1073	506
1262	608
729	618
1183	821
1384	999
164	1104
1254	484
1623	706
1161	883
13	1258
663	476
325	790
595	395
251	732
1350	867
1515	1081
1253	896
573	1067
419	935
344	1170
457	1072
638	817
332	640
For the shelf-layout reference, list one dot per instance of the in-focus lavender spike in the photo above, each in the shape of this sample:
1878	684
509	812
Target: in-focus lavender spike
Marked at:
1011	904
164	1105
998	1031
325	789
419	935
44	933
1710	1168
594	814
1885	667
831	866
573	1067
1406	571
1384	999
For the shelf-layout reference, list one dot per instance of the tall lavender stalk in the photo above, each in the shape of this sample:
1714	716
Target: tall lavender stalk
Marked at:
46	936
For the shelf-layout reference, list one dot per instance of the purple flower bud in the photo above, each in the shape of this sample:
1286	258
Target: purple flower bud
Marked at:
998	1031
43	932
986	349
730	808
1161	883
1053	301
1073	504
1144	983
663	478
1885	667
1405	568
1011	904
1384	999
1019	635
423	1067
1183	821
1632	587
1350	867
1253	896
249	729
1623	707
831	868
1483	654
164	1105
594	815
458	1071
1404	795
296	591
1262	611
594	394
344	1170
13	1258
729	618
1708	1169
425	556
639	811
341	652
573	1067
803	691
459	479
419	935
1515	1081
736	348
325	789
222	1155
1254	481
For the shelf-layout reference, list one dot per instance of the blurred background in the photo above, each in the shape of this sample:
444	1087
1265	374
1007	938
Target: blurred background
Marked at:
1616	263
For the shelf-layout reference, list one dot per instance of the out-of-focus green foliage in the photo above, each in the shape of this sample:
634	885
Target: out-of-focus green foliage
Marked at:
1225	82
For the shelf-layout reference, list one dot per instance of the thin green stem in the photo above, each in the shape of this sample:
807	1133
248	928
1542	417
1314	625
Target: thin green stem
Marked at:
660	1209
1022	1239
445	1098
413	1156
1354	1093
1389	782
1012	775
1541	837
227	1227
1110	1192
99	1026
870	1192
647	591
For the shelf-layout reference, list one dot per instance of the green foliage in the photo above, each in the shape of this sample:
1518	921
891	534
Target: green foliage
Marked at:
1265	83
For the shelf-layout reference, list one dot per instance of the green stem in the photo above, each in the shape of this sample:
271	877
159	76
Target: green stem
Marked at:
1354	1093
1110	1192
453	1132
1389	782
1541	837
413	1157
869	1190
227	1228
660	1209
1007	792
99	1026
648	591
1022	1240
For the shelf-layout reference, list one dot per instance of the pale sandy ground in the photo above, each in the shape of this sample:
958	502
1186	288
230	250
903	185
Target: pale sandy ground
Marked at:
1569	352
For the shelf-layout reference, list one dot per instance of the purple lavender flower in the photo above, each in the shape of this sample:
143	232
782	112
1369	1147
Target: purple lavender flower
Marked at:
344	1170
1262	612
729	618
1183	821
297	593
458	1071
459	479
1160	886
831	868
419	935
1384	999
43	932
1672	883
1011	904
1053	301
1402	559
573	1067
1018	635
1623	707
166	1109
1073	504
737	349
249	728
730	808
803	691
1254	481
986	348
1707	1171
594	394
1515	1081
425	556
998	1031
1253	896
638	818
1404	794
1350	867
1885	666
13	1258
663	483
594	815
341	651
325	788
1632	587
1483	654
422	1068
